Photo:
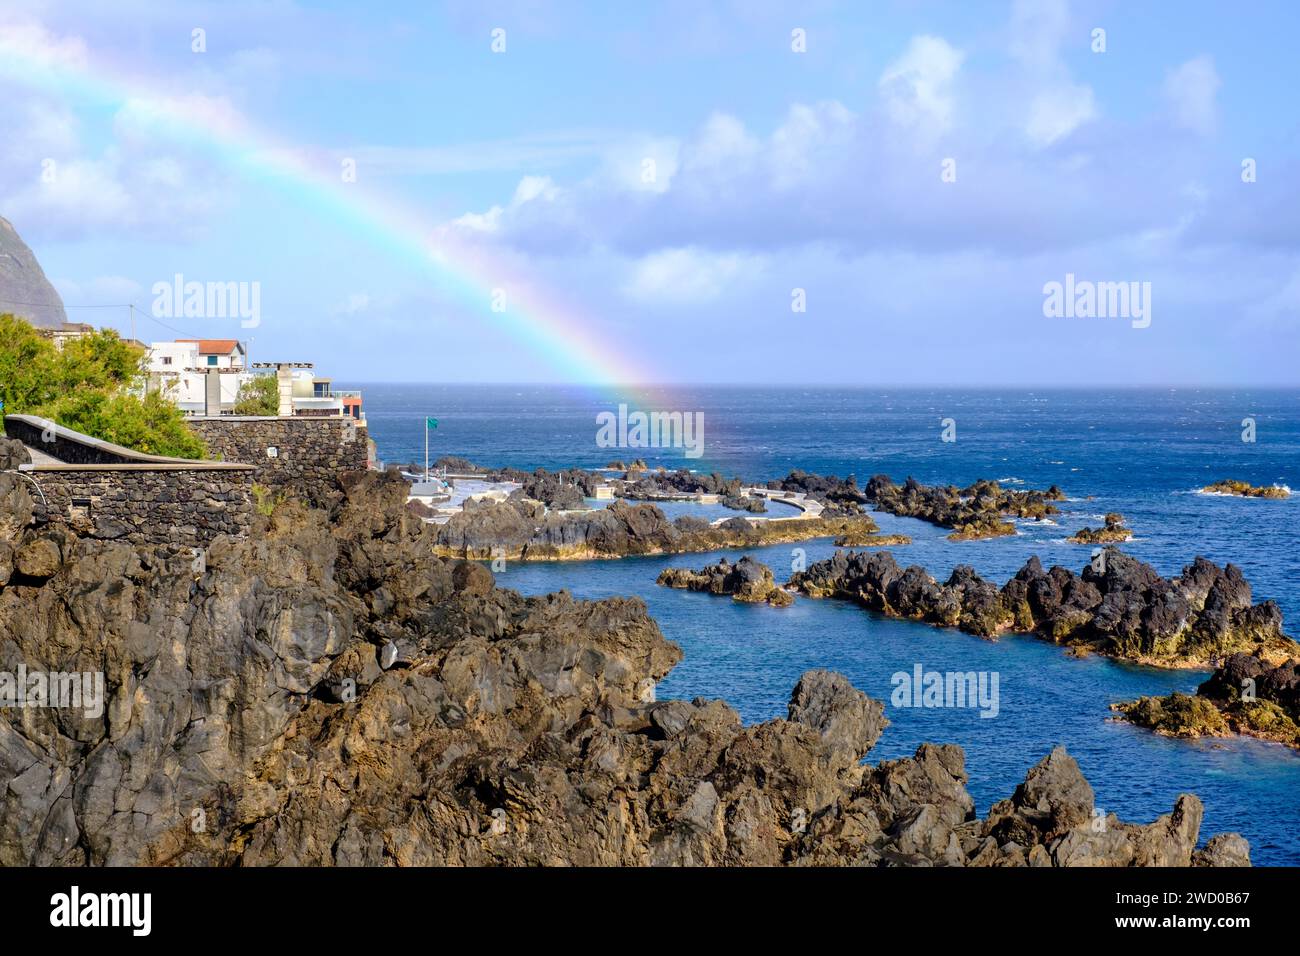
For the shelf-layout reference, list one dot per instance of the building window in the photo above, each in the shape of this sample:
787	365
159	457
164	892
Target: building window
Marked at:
167	360
212	360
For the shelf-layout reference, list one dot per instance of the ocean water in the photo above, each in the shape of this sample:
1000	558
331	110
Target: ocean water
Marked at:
1140	452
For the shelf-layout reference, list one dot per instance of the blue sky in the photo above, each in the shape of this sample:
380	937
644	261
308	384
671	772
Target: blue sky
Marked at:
774	170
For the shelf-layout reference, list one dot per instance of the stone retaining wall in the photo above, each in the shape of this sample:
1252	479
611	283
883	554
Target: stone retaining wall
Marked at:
184	507
301	456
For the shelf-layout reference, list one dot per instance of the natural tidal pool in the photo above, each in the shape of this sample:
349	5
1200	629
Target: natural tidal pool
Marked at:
1142	452
752	655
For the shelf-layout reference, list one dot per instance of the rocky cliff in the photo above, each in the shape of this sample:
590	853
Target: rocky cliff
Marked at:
327	691
24	290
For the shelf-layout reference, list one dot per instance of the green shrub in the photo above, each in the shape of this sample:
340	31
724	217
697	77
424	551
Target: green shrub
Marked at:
94	385
265	501
258	396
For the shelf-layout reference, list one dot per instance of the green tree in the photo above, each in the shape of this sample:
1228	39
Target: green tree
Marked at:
151	424
94	385
259	395
27	373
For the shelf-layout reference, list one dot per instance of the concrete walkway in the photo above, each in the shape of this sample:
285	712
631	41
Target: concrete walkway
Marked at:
797	499
40	458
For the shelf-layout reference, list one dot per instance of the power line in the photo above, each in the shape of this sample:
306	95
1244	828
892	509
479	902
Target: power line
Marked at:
16	302
120	305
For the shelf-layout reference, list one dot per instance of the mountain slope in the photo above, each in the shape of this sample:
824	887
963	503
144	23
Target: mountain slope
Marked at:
24	290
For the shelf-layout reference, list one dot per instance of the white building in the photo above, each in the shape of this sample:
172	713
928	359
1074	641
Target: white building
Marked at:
180	369
184	367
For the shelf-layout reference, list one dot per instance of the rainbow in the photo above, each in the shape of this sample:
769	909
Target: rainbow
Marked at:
469	274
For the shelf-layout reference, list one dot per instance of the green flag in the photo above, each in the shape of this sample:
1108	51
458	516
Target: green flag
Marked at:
431	423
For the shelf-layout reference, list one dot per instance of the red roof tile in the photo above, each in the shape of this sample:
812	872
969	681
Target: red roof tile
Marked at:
214	346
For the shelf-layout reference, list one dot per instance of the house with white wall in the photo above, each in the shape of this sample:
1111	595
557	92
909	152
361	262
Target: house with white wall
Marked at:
182	368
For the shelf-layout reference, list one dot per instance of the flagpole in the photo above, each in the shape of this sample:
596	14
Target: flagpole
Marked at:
426	449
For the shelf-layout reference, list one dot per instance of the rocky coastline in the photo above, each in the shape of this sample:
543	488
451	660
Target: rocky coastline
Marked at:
1246	695
526	532
1244	489
1114	531
973	513
327	691
1118	607
747	580
518	530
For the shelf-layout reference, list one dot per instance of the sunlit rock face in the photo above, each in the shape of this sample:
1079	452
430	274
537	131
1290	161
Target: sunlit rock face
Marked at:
24	290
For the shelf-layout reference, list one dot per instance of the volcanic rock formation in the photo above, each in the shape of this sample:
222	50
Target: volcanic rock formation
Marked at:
747	580
327	691
1118	606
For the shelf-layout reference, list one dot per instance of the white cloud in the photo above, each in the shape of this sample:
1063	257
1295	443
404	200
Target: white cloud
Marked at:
535	187
917	87
29	39
1191	91
1053	105
531	189
59	185
1057	112
489	221
1038	28
82	190
37	129
643	165
688	276
722	143
806	131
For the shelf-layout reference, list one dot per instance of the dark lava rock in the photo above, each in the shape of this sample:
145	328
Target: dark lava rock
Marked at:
509	730
1118	606
746	580
13	452
838	495
974	512
744	503
470	577
1246	695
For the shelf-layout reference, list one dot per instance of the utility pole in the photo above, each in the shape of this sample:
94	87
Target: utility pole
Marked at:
131	306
